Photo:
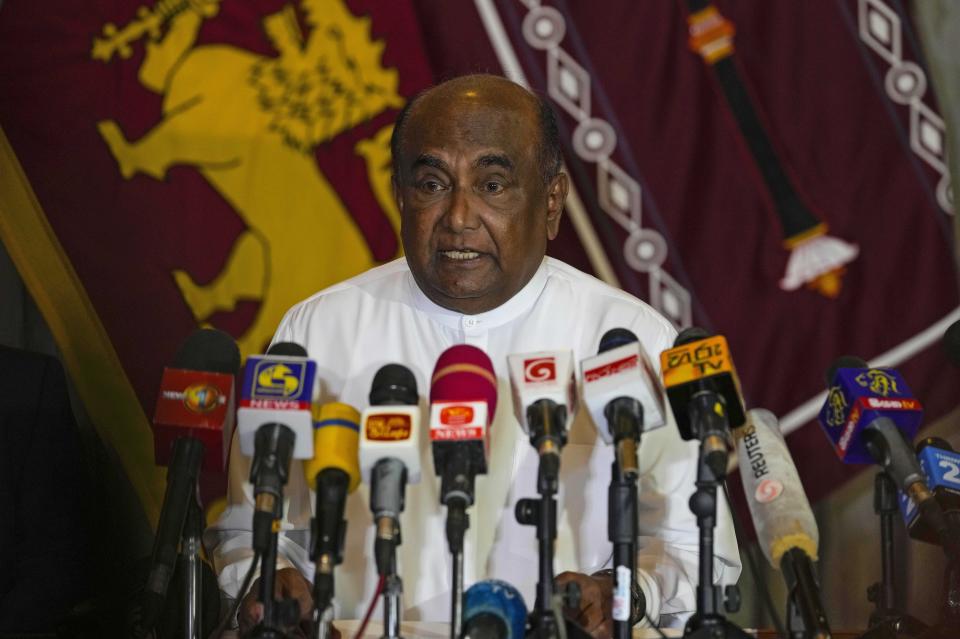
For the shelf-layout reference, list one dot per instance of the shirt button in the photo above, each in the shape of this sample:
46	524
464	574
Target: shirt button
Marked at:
470	321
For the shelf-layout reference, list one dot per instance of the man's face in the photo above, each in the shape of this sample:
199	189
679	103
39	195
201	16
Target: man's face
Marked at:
475	212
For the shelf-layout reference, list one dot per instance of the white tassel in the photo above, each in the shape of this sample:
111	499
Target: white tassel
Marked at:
818	263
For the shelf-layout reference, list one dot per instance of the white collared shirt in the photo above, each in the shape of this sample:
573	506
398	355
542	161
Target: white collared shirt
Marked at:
355	327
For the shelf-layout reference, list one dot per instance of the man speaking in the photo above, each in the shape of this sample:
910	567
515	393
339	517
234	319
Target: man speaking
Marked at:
477	180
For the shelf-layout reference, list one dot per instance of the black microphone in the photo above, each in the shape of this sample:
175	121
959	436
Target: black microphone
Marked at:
204	351
704	393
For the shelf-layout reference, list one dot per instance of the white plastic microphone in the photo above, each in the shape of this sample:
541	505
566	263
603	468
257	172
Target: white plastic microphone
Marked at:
545	401
278	389
390	454
786	529
622	391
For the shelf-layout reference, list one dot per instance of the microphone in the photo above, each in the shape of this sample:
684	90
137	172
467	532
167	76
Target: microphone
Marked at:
704	392
278	388
870	415
463	400
494	609
621	388
390	454
786	529
335	472
192	427
196	399
940	465
545	401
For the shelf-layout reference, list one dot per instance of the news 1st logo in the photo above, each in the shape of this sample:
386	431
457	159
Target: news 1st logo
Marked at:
539	370
388	427
201	398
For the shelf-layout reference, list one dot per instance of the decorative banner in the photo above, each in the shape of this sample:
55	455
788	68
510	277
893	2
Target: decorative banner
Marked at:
196	162
685	216
200	162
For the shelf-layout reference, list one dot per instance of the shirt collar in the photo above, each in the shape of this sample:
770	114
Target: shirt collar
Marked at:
509	310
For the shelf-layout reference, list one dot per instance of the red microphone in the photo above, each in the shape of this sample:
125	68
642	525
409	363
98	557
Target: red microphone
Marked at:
192	427
196	398
463	399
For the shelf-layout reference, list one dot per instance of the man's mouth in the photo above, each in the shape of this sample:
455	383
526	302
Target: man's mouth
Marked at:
460	255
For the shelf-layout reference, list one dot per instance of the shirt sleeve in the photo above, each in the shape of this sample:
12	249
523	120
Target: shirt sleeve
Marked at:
668	540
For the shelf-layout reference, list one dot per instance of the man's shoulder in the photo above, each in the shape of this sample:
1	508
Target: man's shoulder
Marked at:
342	301
375	283
592	292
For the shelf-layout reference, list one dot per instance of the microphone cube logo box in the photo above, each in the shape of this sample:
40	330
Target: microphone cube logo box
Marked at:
458	421
196	400
857	397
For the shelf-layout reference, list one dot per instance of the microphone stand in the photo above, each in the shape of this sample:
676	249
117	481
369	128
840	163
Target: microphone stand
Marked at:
178	519
805	615
886	620
190	558
387	487
326	548
546	419
269	472
708	622
622	533
457	493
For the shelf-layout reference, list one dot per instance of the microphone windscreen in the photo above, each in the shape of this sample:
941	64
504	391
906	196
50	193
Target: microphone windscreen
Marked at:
394	384
464	373
493	604
778	504
691	334
209	350
616	337
287	349
844	361
951	343
336	442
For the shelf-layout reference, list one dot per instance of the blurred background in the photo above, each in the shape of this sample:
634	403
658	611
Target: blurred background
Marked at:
779	173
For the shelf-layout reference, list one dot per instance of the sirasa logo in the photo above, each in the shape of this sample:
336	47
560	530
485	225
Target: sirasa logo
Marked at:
613	368
539	370
201	398
836	407
456	415
277	380
878	382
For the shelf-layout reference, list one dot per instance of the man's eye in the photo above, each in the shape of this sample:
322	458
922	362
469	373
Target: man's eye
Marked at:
492	187
430	186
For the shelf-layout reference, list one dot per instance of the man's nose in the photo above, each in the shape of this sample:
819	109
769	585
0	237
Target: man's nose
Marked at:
462	213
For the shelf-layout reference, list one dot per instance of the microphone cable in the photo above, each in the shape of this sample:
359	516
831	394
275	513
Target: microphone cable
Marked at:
240	595
373	604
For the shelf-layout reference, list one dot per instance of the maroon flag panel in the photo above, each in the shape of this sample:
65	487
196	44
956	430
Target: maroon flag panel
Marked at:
685	212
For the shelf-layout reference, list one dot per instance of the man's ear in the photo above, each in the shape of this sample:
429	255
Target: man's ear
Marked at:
395	187
556	196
